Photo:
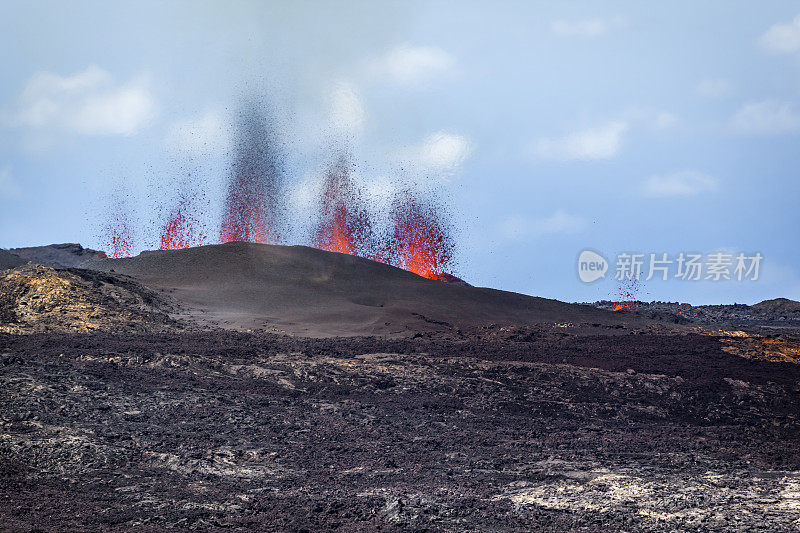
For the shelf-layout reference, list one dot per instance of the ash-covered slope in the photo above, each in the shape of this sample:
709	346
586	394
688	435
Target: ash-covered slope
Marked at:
779	305
306	291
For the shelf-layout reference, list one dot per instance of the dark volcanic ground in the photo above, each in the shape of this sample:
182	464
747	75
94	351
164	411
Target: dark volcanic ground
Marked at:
492	429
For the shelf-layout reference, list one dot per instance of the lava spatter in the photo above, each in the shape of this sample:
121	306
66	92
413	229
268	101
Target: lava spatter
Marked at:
343	225
251	210
421	240
182	229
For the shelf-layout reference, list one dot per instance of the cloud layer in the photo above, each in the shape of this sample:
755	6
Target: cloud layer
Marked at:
686	183
412	65
559	223
767	118
586	28
202	135
87	103
602	142
8	187
782	38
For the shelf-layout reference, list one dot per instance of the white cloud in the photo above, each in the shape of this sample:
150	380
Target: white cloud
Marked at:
439	155
444	151
203	135
686	183
346	109
665	120
519	227
87	103
714	87
412	65
650	118
782	38
8	187
586	28
595	143
767	118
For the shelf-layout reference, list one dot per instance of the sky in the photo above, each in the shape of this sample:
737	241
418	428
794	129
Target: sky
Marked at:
548	128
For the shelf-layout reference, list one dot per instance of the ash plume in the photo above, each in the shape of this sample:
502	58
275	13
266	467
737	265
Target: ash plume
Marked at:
252	209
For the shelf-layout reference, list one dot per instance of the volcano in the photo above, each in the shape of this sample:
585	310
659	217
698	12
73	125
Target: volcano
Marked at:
311	292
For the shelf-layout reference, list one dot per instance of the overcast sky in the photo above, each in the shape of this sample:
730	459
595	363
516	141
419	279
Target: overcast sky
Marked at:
550	128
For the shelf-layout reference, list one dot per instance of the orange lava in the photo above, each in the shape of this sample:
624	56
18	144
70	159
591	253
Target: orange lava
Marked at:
180	230
251	204
421	243
335	237
343	225
626	294
119	241
244	221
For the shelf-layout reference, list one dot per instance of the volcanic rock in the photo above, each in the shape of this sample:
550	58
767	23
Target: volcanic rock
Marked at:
36	298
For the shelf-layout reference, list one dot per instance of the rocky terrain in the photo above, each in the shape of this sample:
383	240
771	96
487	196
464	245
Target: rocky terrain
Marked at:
489	430
779	313
133	398
36	298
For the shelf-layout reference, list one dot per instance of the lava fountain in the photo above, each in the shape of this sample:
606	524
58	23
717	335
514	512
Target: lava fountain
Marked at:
626	294
116	233
251	204
181	229
421	241
344	225
119	241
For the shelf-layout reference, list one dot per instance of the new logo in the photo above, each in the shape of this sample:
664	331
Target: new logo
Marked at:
591	266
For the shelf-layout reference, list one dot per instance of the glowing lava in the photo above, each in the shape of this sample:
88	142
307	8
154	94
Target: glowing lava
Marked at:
626	295
120	241
421	241
344	226
181	230
250	212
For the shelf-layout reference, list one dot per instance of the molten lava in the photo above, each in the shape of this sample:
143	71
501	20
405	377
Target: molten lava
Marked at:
251	204
181	230
120	242
335	236
344	226
626	295
421	241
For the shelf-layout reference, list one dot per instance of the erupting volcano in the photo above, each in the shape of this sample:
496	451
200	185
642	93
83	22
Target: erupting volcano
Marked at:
251	205
626	295
116	232
412	234
120	240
